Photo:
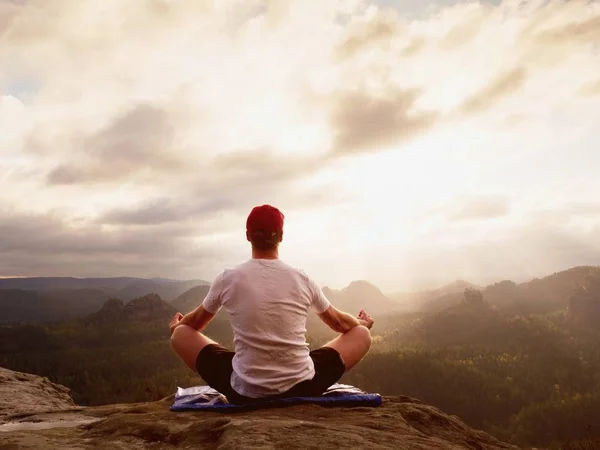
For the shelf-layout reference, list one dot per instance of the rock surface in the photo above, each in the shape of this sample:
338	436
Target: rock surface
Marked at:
24	393
401	423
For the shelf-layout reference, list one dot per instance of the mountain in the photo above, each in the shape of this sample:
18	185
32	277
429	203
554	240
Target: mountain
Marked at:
168	290
360	295
400	423
111	311
541	295
554	291
538	296
22	306
45	283
108	285
147	308
465	323
44	300
504	293
435	299
190	299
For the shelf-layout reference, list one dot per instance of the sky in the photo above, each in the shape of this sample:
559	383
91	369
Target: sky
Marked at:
408	143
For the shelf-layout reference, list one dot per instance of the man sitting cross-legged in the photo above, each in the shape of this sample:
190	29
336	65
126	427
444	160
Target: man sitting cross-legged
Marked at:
268	302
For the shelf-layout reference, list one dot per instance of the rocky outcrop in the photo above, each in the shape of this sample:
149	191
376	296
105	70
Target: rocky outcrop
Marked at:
112	310
24	393
472	298
503	293
401	423
149	307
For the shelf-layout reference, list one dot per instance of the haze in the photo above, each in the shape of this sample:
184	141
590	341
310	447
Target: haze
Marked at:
407	143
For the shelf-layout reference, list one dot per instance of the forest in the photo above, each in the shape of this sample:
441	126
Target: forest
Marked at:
529	379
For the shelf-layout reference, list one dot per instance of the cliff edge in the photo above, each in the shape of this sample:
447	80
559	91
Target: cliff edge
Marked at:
37	414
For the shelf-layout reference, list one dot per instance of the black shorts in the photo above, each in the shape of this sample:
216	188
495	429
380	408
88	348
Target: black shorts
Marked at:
214	365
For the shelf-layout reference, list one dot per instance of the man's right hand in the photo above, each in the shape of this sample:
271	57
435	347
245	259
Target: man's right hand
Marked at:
365	319
175	321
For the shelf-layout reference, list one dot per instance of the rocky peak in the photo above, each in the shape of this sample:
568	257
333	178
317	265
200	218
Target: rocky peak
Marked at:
401	423
149	306
113	305
472	297
360	295
362	287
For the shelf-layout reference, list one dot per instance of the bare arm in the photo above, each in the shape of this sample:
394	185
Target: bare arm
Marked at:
198	319
339	321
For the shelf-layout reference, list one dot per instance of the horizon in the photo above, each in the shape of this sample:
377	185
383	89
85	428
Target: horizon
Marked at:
397	291
409	143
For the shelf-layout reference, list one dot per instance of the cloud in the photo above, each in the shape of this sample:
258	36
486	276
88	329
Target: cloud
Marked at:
363	122
150	128
45	243
8	11
590	89
376	32
585	31
231	184
142	139
414	47
253	166
461	34
168	210
503	86
566	214
482	209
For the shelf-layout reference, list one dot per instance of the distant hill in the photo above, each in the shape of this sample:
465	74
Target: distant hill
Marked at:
462	323
538	296
503	313
435	299
125	288
40	300
22	306
361	295
190	299
554	291
168	290
147	308
45	283
43	300
541	295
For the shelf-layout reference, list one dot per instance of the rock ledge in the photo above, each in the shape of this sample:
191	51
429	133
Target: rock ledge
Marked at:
400	423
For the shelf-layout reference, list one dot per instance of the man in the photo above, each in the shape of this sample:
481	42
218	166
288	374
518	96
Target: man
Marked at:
268	302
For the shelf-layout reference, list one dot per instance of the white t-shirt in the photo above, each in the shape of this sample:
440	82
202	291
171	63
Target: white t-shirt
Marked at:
268	303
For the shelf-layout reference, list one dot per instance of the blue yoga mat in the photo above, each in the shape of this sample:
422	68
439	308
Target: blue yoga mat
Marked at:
206	398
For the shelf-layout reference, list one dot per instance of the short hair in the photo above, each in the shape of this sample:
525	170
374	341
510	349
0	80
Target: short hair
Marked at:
265	241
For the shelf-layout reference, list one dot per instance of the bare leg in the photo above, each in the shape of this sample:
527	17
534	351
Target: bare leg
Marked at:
352	346
187	343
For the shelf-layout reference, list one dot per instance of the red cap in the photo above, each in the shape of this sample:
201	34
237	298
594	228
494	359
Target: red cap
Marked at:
265	218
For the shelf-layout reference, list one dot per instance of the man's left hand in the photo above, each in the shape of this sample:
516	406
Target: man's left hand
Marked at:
175	321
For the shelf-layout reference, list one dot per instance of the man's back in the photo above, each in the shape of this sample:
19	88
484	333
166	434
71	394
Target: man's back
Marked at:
268	302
